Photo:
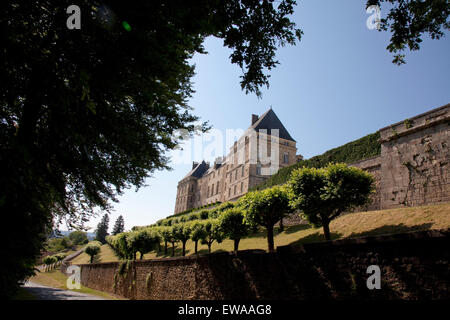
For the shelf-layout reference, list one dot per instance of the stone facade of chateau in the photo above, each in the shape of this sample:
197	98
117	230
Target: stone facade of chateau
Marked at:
265	147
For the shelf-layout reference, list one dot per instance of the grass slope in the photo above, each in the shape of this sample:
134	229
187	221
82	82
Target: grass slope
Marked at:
351	225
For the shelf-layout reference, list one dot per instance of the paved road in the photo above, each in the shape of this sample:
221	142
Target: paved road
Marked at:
48	293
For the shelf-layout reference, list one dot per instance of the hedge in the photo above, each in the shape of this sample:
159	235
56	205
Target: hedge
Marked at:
362	148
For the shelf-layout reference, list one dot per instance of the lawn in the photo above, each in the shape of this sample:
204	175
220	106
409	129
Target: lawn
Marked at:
347	226
56	279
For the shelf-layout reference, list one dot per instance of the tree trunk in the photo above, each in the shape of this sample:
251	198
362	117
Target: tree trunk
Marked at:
270	239
209	247
165	247
184	249
236	245
134	255
196	246
173	249
281	226
92	258
326	230
142	255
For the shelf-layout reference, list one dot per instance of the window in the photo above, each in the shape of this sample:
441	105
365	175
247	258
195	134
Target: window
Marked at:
235	189
242	186
230	177
235	174
229	192
258	169
207	194
242	173
217	187
286	157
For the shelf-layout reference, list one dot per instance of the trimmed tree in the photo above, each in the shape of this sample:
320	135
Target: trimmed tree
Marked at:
266	208
166	235
142	241
173	238
197	234
212	232
324	194
49	261
182	232
233	225
92	249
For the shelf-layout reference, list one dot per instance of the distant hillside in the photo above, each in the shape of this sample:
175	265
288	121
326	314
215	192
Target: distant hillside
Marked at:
362	148
65	233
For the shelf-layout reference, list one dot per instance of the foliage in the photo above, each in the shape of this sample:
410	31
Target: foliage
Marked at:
362	148
265	208
119	226
87	114
211	232
49	262
142	241
78	237
323	194
102	229
92	249
58	244
197	233
182	232
233	225
409	20
120	246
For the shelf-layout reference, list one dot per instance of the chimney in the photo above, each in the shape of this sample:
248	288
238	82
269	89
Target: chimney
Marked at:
194	164
254	118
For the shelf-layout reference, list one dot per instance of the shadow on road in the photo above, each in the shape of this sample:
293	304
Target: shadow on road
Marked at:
48	293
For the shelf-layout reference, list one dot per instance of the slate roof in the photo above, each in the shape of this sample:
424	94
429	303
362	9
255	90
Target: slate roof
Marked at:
269	120
198	170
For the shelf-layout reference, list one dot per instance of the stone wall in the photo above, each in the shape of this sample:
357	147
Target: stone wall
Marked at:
414	166
415	160
413	266
372	165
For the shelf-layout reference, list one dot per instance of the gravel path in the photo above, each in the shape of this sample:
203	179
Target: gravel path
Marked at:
48	293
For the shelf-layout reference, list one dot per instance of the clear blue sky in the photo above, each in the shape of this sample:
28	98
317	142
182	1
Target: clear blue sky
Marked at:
336	85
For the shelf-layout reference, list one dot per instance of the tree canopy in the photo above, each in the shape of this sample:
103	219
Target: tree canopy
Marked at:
86	113
323	194
409	20
119	226
265	208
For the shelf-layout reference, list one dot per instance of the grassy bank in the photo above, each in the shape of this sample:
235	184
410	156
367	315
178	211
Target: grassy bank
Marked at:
348	226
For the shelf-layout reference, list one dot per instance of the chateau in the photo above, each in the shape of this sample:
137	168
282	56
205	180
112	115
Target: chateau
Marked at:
265	147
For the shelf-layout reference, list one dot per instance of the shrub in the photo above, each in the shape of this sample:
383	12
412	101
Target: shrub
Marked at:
204	214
